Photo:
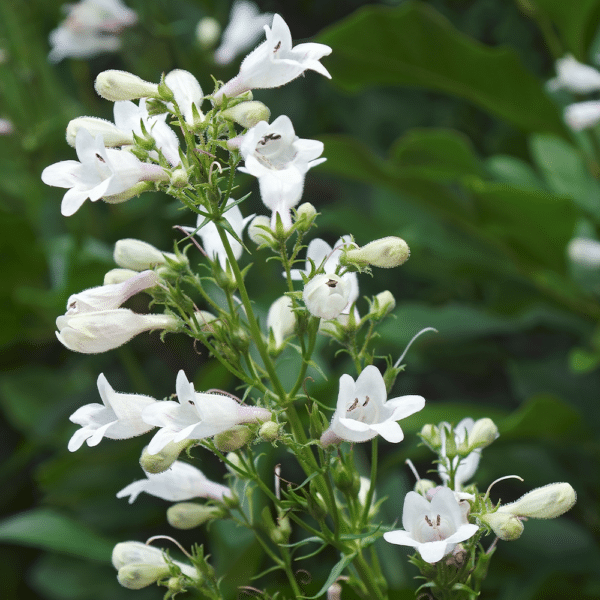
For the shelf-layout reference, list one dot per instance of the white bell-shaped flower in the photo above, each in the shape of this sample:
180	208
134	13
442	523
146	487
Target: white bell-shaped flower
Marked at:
136	553
433	528
326	296
575	76
100	172
187	92
119	417
363	411
180	482
465	467
197	415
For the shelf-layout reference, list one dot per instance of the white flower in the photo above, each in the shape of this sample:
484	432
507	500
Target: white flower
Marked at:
67	42
433	528
109	297
137	553
139	255
208	31
326	296
245	26
279	159
328	259
546	502
213	246
465	467
281	320
275	62
575	76
180	482
581	115
100	172
118	418
196	415
6	127
98	331
187	92
585	252
363	411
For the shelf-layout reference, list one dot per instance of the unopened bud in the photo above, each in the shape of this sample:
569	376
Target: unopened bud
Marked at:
187	515
259	230
334	592
424	485
269	431
204	320
483	433
431	436
179	178
111	134
386	253
136	577
305	216
161	461
545	502
134	191
506	526
346	479
235	460
175	585
120	85
139	256
233	439
208	31
383	304
119	276
247	114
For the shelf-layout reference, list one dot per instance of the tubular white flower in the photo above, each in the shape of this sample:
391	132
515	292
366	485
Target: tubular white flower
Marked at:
111	134
279	160
116	85
281	319
67	42
466	466
187	92
275	62
109	297
102	330
118	418
180	482
139	256
196	415
326	296
575	76
585	252
100	172
245	26
363	411
213	246
328	259
546	502
433	528
137	553
581	115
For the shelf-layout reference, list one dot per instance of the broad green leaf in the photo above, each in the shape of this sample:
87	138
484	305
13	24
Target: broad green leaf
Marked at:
414	45
565	171
514	171
47	529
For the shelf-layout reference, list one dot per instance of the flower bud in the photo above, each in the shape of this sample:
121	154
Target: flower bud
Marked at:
247	114
161	461
326	296
235	460
233	439
187	515
136	577
346	479
507	527
111	134
431	436
259	230
138	554
383	304
135	190
269	431
120	85
118	276
281	320
204	320
139	256
483	433
547	502
208	31
306	213
386	253
179	178
334	592
423	486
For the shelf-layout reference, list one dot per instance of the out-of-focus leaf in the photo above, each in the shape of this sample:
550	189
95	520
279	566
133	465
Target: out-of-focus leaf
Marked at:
565	171
582	361
47	529
514	171
414	45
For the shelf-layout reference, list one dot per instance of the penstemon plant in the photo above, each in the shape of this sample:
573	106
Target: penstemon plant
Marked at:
333	507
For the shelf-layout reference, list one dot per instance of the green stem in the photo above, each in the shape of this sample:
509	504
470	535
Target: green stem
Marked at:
374	447
366	574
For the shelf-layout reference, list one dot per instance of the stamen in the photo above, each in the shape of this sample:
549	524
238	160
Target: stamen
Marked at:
100	158
353	405
428	521
366	401
270	137
332	283
438	521
278	46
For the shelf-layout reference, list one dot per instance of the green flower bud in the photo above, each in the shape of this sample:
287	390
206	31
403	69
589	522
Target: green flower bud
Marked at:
507	527
431	436
187	515
257	232
346	479
269	431
383	304
179	178
247	114
133	192
158	463
138	576
233	439
386	253
306	213
175	585
119	85
118	276
424	485
139	256
205	321
545	502
483	433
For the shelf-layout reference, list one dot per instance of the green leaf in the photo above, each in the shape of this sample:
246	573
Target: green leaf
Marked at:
335	573
514	171
47	529
414	45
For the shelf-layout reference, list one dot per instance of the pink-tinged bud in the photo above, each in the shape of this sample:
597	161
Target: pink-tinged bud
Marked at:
120	85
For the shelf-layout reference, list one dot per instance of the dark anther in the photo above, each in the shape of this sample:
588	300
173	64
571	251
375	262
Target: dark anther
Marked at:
100	158
270	137
332	283
438	520
353	405
428	521
366	401
278	46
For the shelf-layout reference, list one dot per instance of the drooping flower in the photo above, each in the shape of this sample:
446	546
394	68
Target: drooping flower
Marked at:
119	417
433	528
245	26
275	62
197	415
100	172
180	482
213	246
102	330
582	115
466	467
363	411
575	76
279	160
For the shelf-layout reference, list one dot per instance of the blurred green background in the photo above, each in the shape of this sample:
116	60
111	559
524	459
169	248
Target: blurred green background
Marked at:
437	128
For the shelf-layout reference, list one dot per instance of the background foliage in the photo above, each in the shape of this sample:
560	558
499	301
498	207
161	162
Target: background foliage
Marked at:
437	128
